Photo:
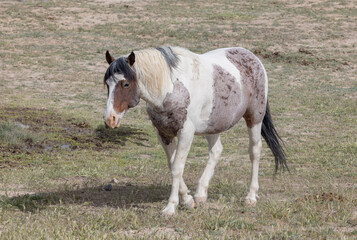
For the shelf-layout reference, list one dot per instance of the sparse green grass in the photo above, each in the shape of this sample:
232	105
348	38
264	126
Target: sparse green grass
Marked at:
15	134
52	174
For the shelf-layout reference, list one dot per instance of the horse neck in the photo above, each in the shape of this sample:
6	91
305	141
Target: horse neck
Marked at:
153	75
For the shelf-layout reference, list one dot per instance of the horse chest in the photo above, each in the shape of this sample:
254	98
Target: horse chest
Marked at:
170	118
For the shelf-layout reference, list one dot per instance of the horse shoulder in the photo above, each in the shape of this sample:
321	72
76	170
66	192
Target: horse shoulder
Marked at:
170	117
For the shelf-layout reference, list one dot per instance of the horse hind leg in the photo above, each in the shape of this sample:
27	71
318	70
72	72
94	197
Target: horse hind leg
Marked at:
255	146
215	150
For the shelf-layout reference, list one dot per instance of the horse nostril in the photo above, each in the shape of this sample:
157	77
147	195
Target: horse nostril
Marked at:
106	125
113	119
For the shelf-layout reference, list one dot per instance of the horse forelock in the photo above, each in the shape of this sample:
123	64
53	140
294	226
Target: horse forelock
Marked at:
120	66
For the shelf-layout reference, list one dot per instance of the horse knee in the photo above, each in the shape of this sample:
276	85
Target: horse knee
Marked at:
217	150
255	148
256	145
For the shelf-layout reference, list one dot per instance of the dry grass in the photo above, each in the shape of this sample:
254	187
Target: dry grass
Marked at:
52	173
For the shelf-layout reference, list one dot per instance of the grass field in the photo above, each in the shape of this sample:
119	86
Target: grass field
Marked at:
56	156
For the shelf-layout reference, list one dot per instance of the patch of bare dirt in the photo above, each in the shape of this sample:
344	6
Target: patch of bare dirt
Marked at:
107	2
321	4
323	197
126	3
14	190
77	17
76	182
166	232
61	133
15	193
302	56
316	25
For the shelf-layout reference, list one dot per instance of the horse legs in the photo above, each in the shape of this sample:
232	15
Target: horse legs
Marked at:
215	150
170	150
255	146
185	137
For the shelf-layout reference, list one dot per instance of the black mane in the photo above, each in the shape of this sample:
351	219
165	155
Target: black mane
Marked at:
170	57
120	66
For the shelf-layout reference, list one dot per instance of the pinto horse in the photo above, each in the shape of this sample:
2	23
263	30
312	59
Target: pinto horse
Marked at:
190	94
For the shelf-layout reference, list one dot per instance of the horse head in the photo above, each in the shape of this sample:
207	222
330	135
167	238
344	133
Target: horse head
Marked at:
123	93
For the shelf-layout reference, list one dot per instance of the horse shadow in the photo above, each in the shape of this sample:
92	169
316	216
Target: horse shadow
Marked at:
105	136
121	196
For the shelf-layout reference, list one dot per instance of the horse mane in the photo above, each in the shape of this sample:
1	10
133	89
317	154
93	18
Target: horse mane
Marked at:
153	69
171	58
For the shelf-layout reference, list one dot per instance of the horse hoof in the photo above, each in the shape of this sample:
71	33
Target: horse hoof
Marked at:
250	202
168	212
200	200
190	204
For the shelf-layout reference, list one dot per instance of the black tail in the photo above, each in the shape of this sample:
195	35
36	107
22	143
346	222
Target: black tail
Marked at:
273	140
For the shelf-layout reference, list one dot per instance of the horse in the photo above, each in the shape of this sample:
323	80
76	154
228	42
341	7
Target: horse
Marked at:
190	94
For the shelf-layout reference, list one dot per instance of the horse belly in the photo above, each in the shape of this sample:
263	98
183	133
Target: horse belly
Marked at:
229	103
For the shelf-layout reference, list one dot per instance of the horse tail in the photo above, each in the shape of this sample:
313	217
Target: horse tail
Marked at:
273	140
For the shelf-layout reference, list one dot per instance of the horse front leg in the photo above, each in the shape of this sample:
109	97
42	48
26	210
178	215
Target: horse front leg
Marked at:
185	137
255	146
170	150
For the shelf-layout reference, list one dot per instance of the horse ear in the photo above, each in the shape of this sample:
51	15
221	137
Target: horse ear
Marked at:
109	57
131	59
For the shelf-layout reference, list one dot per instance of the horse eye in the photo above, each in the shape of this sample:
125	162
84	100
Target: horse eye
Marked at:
126	84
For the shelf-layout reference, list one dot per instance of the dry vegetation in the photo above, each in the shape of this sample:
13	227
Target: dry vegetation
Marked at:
56	156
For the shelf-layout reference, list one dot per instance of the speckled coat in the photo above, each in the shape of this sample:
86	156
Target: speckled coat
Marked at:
191	94
214	93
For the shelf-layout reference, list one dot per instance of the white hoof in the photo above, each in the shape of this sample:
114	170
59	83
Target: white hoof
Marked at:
168	211
200	200
250	202
189	202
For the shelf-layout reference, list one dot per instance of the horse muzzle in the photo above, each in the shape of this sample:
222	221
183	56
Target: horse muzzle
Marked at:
112	121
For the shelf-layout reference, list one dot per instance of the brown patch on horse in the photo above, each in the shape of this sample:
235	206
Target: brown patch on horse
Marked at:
126	95
253	79
228	105
169	119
